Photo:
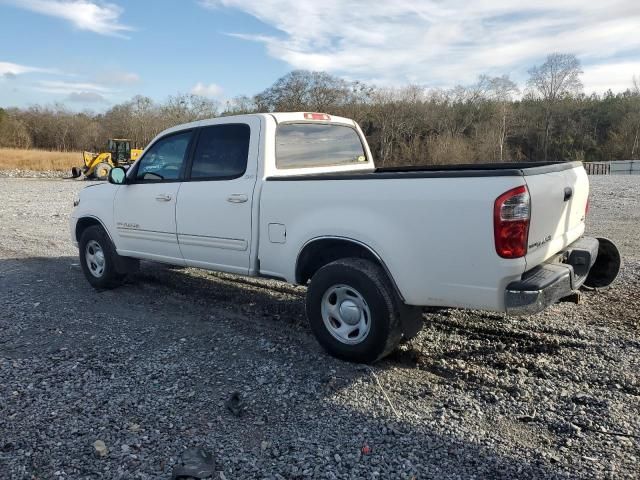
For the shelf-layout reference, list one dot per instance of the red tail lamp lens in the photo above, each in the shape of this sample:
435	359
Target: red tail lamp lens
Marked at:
511	216
316	116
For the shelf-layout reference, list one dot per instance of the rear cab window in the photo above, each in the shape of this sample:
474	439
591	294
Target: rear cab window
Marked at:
307	145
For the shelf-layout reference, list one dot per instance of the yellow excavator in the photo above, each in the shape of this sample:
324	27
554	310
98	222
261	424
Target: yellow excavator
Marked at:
98	165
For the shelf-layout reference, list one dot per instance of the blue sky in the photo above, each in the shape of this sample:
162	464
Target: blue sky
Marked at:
93	54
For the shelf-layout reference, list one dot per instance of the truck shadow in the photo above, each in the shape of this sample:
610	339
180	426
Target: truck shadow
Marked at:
159	292
213	334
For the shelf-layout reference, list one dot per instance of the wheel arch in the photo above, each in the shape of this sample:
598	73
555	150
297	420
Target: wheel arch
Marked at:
87	221
320	251
123	265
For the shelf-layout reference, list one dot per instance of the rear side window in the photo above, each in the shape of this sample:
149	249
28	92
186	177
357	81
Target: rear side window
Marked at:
221	152
301	145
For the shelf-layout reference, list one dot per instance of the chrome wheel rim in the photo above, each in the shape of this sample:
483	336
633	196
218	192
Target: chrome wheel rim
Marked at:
345	314
94	257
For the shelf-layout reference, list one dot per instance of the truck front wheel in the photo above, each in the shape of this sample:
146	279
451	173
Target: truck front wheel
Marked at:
98	259
353	310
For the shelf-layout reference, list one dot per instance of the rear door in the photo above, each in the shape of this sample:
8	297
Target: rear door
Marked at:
214	209
558	205
145	207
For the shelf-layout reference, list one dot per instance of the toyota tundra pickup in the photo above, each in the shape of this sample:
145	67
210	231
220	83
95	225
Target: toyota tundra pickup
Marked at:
297	197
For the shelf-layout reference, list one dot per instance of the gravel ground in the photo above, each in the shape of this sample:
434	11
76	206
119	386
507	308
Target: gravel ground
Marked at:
16	173
147	369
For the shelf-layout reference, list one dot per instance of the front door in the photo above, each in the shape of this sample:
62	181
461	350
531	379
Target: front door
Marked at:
145	207
214	203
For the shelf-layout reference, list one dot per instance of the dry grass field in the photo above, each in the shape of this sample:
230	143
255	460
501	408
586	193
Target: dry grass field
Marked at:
38	160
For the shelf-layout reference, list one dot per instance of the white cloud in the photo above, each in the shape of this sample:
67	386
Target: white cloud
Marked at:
85	97
212	90
441	43
9	69
68	88
119	78
76	92
94	16
126	77
615	76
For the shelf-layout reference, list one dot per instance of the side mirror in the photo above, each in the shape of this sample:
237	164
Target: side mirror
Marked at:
118	176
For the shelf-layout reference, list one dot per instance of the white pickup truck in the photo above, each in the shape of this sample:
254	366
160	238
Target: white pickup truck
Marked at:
297	197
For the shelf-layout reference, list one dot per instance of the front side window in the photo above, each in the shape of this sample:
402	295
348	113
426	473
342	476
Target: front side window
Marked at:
164	160
303	145
221	152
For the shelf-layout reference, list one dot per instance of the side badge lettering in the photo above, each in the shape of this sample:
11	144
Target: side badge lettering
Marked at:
128	225
539	243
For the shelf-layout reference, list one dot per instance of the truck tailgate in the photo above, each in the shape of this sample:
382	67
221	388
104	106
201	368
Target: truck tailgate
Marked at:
558	209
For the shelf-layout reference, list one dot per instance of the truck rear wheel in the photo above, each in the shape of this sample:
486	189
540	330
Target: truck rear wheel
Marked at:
101	172
354	311
98	259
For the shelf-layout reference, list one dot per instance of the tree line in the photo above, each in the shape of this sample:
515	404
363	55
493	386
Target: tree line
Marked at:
492	120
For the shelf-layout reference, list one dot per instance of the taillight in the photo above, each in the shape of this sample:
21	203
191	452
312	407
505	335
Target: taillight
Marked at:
316	116
511	215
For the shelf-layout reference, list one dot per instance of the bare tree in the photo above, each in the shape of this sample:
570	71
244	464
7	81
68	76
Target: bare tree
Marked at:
633	119
184	108
500	90
395	113
302	89
239	105
556	78
483	122
13	132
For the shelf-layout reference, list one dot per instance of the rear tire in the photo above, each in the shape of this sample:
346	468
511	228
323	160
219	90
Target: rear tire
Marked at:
353	310
98	259
101	172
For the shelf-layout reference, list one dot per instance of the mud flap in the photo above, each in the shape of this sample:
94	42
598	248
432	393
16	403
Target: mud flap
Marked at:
125	265
411	321
607	266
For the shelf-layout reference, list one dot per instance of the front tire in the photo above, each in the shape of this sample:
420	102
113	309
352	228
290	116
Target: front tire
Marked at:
354	311
98	259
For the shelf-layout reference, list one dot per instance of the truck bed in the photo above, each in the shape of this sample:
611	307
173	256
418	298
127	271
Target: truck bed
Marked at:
433	226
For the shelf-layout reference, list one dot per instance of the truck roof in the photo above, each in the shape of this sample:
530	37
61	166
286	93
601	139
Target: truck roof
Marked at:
279	117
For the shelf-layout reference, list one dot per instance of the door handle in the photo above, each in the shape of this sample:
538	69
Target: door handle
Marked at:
237	198
163	197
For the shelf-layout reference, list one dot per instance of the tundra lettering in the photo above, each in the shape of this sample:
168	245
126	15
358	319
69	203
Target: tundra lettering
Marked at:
540	242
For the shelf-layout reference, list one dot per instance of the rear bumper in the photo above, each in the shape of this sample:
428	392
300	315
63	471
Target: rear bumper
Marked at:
557	278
